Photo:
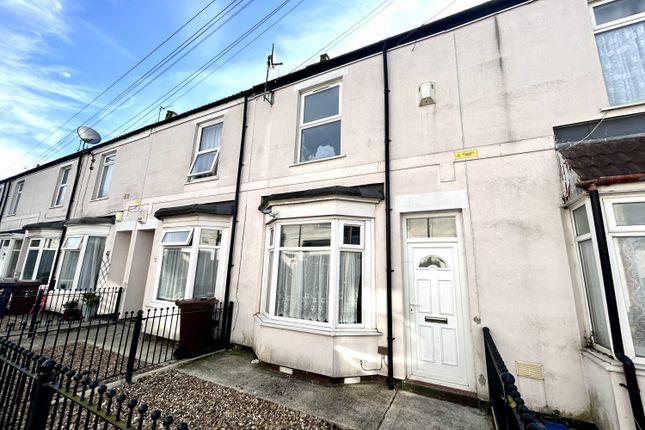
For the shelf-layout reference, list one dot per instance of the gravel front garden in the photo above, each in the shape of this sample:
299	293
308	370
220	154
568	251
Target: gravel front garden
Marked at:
205	405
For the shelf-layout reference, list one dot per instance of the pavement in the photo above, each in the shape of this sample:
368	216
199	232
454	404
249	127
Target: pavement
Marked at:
360	406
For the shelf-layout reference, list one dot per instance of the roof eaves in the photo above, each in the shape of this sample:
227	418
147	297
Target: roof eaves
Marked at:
448	23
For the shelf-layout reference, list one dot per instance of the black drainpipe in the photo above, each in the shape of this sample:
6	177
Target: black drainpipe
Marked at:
612	311
605	270
4	197
68	214
236	200
388	227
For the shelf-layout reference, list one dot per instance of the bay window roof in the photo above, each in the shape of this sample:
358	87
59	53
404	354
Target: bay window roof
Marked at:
599	148
215	208
371	191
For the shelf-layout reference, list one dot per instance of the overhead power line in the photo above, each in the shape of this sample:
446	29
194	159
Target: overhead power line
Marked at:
155	49
187	42
140	121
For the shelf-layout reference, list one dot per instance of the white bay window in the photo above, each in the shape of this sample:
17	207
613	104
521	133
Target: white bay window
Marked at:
82	259
315	274
40	257
190	264
624	218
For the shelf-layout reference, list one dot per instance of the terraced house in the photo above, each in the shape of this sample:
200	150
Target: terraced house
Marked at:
370	214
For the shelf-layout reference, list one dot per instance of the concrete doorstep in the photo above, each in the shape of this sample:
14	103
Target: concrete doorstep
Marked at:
359	406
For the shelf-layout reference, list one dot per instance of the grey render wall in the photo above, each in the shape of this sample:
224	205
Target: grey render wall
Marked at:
502	83
37	197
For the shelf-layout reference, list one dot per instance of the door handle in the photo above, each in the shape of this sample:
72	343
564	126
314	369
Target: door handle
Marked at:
436	320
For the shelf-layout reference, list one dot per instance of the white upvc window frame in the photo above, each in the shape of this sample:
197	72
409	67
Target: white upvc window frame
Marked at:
46	243
269	292
622	22
15	199
60	191
108	159
196	153
614	232
193	248
186	242
81	247
579	270
327	120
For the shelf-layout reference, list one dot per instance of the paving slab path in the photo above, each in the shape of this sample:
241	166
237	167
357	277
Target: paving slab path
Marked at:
362	406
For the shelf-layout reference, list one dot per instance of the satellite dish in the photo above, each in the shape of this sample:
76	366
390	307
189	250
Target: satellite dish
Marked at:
88	135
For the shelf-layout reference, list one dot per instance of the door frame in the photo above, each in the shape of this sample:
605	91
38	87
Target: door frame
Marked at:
460	277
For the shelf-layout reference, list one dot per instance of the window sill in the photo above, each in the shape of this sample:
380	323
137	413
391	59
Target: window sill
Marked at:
264	321
98	199
608	363
623	106
336	157
200	180
56	207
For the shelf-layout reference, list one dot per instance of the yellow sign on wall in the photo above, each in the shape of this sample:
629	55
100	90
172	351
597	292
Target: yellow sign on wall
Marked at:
467	153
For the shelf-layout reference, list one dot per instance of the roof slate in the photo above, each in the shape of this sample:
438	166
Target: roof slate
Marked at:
592	159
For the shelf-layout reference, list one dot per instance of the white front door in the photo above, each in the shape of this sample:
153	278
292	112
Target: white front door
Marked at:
5	255
438	352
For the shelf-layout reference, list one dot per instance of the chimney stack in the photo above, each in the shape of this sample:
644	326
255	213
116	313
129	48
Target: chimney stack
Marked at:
170	114
324	57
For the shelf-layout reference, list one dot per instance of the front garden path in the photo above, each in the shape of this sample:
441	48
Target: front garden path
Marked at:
360	406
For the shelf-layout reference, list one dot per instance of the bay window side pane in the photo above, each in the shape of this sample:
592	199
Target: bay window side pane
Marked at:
350	285
68	270
174	274
594	295
30	264
91	265
267	289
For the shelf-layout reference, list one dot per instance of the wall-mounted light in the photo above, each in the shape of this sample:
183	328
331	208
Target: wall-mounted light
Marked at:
268	211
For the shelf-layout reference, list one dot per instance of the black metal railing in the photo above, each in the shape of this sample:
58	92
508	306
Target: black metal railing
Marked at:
508	408
30	305
38	394
112	348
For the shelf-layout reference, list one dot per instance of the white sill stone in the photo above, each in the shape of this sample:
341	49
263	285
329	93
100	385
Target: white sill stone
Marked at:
623	106
264	321
304	163
98	199
200	180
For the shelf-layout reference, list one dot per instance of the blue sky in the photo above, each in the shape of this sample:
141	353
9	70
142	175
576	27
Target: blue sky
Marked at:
56	56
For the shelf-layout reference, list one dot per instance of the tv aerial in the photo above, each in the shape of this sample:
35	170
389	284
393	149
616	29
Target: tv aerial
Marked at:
271	63
88	136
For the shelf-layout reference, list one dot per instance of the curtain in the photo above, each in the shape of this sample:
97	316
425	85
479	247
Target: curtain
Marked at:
632	256
106	178
349	294
91	263
622	57
303	285
206	274
45	265
68	269
594	294
211	137
30	264
174	273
